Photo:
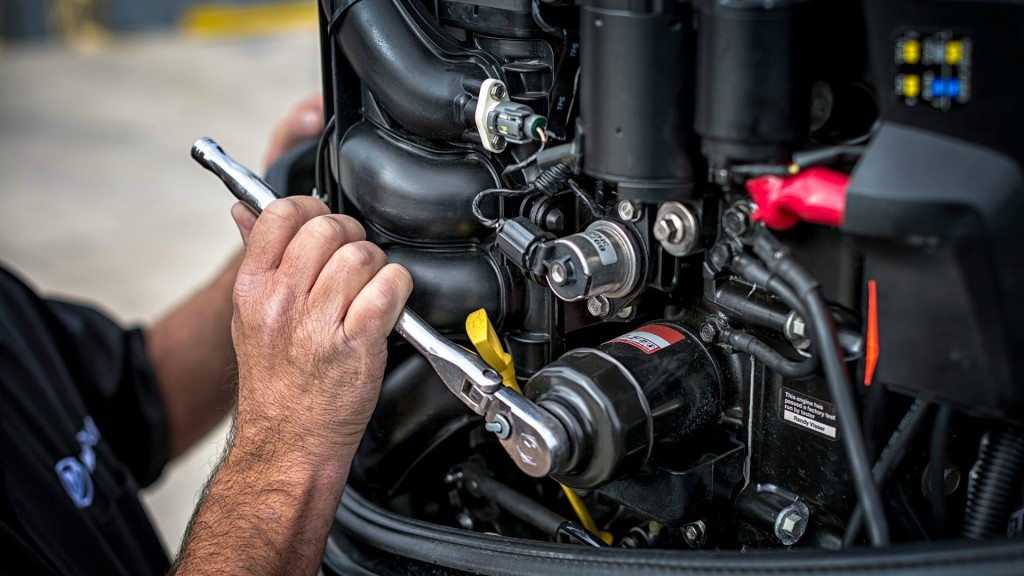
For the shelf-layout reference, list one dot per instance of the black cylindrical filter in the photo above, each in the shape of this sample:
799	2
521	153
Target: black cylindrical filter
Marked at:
633	97
752	98
629	400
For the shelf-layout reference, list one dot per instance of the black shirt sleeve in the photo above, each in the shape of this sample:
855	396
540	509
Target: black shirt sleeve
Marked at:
117	383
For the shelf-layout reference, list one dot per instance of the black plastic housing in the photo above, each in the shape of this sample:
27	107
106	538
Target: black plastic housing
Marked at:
752	96
937	203
412	193
418	75
635	97
630	399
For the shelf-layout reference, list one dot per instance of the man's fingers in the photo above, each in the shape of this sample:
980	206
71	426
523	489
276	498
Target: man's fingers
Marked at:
275	228
344	275
317	242
375	309
244	219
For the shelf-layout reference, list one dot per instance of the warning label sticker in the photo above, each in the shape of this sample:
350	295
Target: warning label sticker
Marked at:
651	338
809	413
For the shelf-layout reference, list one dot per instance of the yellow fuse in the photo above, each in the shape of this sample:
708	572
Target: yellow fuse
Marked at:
954	52
911	85
911	51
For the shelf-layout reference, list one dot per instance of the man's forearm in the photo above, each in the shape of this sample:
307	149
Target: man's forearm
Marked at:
267	510
194	360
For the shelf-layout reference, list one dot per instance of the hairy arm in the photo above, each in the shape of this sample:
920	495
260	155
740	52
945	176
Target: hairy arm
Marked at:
194	361
191	347
313	306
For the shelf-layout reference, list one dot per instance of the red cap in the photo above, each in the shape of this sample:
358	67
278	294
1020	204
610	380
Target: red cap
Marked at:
816	195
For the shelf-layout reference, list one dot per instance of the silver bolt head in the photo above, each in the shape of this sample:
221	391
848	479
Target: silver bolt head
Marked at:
691	533
497	90
557	273
598	306
625	312
790	522
663	230
627	211
669	229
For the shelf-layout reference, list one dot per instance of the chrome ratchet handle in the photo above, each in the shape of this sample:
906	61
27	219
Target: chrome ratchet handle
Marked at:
249	188
535	440
466	375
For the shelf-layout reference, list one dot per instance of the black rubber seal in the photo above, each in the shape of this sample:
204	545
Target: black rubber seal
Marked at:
503	556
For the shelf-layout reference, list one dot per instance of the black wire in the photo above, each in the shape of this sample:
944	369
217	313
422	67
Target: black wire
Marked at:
319	179
501	192
594	208
529	160
883	470
819	317
543	24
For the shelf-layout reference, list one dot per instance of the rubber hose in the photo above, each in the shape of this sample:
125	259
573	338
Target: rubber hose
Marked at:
774	360
995	481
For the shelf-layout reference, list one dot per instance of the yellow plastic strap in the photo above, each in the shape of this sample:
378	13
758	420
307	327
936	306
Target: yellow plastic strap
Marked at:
585	518
481	333
485	340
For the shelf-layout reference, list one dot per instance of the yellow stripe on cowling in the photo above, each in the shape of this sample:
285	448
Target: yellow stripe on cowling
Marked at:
209	20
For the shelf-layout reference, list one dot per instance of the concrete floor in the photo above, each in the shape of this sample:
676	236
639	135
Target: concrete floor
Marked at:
99	199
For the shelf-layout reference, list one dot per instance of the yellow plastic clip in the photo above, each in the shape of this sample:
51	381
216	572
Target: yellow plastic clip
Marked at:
485	340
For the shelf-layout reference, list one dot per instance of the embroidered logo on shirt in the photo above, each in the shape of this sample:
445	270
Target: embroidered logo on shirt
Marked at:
76	473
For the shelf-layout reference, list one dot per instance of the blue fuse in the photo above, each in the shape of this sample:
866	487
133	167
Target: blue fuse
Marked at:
939	88
953	87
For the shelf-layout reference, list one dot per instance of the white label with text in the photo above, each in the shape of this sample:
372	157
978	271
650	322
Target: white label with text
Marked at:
808	413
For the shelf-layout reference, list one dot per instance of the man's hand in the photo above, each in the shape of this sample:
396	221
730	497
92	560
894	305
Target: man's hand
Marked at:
314	304
305	120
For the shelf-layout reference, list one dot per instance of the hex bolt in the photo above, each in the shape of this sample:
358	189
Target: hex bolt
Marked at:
795	328
628	211
791	523
708	332
668	229
677	229
625	313
498	91
599	306
499	426
736	221
694	533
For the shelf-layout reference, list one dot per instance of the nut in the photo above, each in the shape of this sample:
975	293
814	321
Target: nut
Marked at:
498	91
695	533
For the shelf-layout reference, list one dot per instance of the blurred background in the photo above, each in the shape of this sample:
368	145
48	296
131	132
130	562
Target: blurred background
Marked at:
100	101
